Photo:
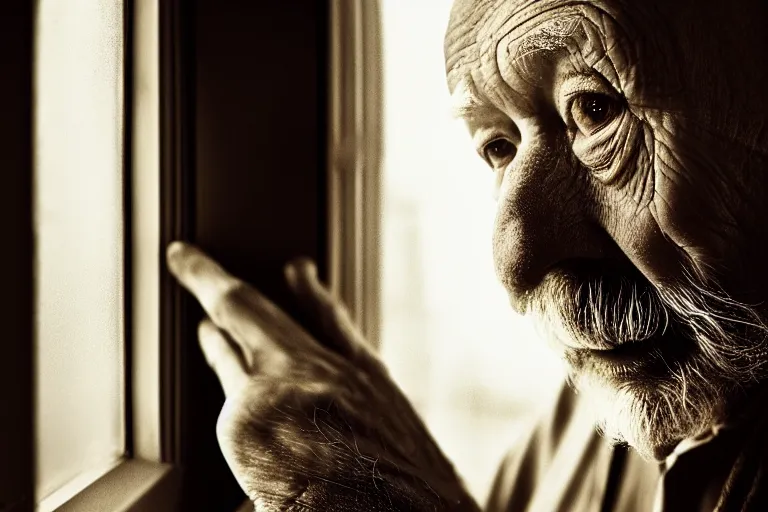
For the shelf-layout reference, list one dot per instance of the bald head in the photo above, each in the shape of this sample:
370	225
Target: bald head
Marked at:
629	147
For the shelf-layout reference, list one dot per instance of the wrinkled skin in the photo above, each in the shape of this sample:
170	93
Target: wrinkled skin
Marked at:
672	181
309	425
679	177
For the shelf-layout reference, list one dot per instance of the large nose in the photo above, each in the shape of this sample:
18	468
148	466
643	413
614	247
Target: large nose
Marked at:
546	215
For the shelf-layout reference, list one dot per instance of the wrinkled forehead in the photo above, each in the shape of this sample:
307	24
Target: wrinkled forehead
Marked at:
489	33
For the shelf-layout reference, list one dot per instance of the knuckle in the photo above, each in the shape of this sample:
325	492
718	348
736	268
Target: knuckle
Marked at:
230	301
277	362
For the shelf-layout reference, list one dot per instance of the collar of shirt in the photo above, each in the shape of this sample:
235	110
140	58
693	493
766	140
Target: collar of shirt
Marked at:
689	444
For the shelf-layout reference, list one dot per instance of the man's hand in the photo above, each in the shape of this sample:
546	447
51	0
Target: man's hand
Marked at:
310	426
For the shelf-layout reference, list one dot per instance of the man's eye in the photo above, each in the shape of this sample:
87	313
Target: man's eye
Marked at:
498	153
592	111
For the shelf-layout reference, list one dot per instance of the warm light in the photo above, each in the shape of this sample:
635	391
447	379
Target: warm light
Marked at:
80	431
474	368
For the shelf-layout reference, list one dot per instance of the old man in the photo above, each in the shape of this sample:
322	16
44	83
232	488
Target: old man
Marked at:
629	147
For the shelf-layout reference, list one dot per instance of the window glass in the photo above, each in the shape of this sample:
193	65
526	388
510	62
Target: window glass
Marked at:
80	428
473	368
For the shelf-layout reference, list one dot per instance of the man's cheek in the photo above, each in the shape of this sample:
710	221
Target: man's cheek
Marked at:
694	198
647	246
628	211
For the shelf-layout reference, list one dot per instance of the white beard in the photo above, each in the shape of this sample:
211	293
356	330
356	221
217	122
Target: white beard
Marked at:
652	416
651	422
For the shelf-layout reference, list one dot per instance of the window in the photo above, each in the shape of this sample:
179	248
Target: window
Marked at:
187	172
97	250
473	368
133	147
79	233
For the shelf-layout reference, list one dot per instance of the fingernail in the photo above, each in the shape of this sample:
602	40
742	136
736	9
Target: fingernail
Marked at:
172	253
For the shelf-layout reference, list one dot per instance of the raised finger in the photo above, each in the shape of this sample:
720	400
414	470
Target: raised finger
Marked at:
223	357
202	277
330	315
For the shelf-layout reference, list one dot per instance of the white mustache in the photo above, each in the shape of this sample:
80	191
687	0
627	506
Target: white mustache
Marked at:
602	314
595	317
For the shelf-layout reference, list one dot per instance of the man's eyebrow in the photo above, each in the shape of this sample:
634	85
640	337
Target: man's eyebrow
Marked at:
468	112
466	101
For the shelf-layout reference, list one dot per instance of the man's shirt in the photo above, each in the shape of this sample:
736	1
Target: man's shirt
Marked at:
565	465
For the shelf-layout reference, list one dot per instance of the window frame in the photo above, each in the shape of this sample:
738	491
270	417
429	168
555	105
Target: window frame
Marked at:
161	166
354	160
148	477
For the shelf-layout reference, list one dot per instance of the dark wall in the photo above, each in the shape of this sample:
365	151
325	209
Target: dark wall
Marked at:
260	132
16	356
257	157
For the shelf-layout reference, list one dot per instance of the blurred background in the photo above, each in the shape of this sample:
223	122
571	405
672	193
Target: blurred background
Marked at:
473	367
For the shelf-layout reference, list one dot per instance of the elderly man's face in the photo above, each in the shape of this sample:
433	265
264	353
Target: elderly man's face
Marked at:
629	147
